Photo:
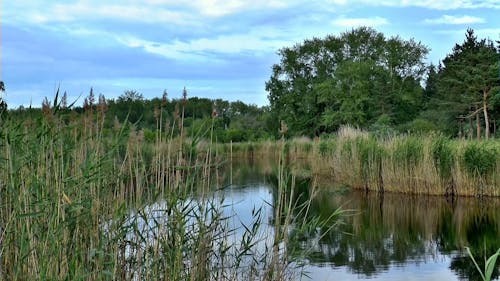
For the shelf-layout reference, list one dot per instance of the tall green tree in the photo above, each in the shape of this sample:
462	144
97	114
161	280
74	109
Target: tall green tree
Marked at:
3	104
470	77
352	78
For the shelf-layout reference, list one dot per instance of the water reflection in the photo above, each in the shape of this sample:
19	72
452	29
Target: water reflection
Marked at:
395	229
391	232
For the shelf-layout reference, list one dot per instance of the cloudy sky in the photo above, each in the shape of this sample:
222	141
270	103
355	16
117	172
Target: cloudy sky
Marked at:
215	48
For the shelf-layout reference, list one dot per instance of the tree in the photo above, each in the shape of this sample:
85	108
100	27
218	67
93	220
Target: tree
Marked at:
130	96
352	78
470	77
3	104
430	85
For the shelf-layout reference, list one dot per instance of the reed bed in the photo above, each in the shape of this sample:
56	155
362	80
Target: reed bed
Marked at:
82	201
432	164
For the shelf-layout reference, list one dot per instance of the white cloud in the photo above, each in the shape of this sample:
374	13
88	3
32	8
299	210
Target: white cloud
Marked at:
217	8
353	22
447	19
84	11
183	12
203	49
430	4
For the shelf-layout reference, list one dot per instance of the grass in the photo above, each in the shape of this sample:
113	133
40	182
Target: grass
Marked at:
431	164
489	265
82	201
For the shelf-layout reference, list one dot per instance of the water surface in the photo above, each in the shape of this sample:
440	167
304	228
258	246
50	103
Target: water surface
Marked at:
385	237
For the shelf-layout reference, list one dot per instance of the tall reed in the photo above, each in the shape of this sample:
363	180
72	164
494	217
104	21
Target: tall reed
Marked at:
431	164
79	201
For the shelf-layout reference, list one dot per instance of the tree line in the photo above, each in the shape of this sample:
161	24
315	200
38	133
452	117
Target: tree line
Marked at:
366	80
359	78
230	121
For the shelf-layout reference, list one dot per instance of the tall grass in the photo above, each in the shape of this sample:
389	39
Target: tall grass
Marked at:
430	164
77	203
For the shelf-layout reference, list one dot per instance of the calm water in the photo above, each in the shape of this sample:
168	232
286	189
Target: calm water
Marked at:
389	237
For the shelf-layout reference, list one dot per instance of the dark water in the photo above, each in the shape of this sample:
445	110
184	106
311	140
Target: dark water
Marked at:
389	237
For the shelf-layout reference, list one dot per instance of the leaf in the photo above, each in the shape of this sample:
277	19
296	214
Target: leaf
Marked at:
490	265
475	263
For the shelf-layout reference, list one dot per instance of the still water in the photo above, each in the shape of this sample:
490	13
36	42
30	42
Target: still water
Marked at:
389	237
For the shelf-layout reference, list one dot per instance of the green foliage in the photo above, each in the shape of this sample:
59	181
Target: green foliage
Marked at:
419	126
308	146
353	78
149	135
370	152
326	147
84	202
443	154
467	80
488	267
409	151
346	150
480	158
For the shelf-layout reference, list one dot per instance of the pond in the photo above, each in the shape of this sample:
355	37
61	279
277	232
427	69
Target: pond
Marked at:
385	237
380	237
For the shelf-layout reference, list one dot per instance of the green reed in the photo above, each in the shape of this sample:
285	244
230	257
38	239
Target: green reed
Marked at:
76	204
430	164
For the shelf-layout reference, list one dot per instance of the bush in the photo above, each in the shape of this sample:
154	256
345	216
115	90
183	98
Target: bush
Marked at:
149	135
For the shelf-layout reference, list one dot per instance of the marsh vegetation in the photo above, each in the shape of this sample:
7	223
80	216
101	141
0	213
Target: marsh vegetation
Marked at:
79	202
431	164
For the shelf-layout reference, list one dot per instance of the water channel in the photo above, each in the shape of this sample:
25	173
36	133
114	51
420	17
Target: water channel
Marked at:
383	237
380	237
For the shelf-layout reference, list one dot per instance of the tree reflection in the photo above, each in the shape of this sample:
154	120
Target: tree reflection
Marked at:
394	229
398	229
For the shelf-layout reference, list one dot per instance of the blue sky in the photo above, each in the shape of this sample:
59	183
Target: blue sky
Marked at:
215	48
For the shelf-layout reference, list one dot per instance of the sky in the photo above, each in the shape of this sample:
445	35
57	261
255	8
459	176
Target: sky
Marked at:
214	48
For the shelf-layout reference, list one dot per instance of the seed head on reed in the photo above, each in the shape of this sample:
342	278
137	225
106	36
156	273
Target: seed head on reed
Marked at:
283	129
102	105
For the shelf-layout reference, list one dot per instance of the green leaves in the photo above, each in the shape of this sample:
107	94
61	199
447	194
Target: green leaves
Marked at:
347	79
488	267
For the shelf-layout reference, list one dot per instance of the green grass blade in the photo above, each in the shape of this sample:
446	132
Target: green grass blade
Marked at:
490	265
475	263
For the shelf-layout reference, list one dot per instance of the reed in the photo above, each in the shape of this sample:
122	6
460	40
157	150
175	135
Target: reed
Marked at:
431	164
83	202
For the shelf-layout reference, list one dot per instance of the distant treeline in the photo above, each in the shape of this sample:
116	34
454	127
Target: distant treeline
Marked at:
359	78
231	121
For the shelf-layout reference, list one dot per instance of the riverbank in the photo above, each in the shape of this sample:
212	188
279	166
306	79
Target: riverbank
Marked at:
433	164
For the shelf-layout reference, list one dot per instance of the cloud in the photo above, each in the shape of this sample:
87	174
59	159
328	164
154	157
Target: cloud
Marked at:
353	22
67	13
218	8
179	12
429	4
207	49
447	19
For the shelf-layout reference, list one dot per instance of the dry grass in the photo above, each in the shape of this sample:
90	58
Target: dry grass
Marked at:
416	165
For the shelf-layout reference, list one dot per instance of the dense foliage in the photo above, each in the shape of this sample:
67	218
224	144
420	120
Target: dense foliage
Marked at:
232	121
359	78
464	90
369	81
